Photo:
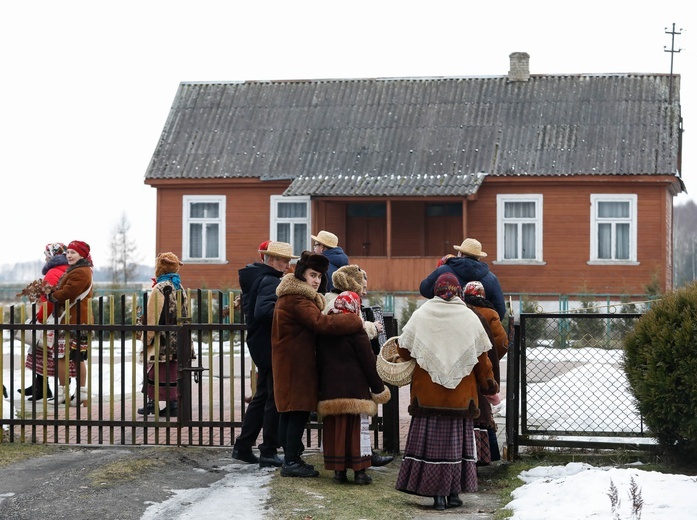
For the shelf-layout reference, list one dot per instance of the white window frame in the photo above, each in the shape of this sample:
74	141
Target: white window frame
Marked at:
187	201
501	201
633	227
274	220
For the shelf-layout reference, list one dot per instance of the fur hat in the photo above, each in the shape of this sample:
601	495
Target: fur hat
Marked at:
471	247
319	263
348	278
167	263
82	248
279	250
326	238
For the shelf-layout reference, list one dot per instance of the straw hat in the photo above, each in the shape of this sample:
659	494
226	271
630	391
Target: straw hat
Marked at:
471	247
326	238
391	368
279	250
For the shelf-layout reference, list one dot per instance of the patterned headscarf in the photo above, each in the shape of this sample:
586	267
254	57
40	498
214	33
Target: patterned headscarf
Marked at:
347	302
475	289
447	287
53	249
444	260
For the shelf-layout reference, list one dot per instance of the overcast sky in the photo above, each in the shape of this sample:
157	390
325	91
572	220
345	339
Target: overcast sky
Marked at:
87	86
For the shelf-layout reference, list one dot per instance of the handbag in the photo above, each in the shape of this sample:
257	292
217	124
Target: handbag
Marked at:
391	368
50	336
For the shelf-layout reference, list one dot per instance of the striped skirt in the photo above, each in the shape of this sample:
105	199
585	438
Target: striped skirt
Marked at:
341	443
439	458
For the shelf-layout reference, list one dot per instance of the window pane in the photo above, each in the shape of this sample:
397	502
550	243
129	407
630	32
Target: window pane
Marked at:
510	242
366	210
519	210
212	241
622	242
444	210
614	209
528	241
299	239
292	210
204	210
283	232
604	241
195	240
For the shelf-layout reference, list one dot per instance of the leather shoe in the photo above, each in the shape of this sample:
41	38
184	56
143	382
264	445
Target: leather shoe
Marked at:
454	500
340	477
439	503
377	460
245	456
266	461
298	469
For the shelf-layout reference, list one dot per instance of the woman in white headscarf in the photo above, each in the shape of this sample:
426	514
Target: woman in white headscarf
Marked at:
450	346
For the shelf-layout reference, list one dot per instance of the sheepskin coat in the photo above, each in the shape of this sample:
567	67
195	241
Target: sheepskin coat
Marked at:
297	320
348	380
431	399
76	280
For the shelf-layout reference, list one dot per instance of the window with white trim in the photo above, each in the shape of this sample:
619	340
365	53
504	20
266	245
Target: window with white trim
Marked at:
614	228
290	222
204	228
519	223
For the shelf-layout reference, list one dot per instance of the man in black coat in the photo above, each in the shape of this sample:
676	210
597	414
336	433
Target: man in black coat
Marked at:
258	282
468	268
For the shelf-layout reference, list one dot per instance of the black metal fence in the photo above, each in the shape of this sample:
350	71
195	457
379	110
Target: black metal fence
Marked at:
212	387
566	383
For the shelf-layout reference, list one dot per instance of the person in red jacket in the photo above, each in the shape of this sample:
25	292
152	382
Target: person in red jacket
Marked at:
52	271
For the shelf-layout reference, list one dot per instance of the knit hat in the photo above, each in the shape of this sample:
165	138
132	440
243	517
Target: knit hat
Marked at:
471	247
447	287
278	250
54	249
475	289
326	238
82	248
167	263
347	302
348	278
319	263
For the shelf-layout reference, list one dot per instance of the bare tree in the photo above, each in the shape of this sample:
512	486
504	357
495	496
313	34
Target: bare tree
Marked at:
124	260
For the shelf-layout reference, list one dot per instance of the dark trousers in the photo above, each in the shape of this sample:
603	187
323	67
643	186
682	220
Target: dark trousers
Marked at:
291	426
261	413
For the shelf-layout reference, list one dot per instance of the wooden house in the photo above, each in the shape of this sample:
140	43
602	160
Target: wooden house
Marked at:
567	180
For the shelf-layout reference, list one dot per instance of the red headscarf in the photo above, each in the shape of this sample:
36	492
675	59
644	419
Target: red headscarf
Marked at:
82	248
347	302
447	287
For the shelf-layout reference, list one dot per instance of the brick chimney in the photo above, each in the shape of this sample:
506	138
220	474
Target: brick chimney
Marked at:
520	67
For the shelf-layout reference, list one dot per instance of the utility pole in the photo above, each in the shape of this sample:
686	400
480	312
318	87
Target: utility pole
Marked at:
672	52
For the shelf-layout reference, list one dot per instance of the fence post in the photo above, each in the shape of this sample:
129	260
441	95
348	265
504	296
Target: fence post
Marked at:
390	410
512	395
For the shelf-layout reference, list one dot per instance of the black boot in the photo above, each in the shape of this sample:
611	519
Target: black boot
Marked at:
377	460
340	477
149	408
361	477
454	500
439	503
38	383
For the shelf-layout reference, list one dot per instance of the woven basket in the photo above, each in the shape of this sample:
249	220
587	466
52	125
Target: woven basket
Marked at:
391	368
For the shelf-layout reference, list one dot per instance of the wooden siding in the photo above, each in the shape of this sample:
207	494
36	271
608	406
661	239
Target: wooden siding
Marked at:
566	241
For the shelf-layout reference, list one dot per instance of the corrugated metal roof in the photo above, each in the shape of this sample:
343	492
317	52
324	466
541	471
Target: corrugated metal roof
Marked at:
430	136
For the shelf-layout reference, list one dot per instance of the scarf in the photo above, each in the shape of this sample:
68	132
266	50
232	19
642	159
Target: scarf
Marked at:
347	302
445	338
170	277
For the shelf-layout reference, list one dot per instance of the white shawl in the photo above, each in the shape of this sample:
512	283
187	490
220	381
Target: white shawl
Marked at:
445	338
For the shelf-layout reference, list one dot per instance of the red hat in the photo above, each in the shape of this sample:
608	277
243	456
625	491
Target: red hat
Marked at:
82	248
263	247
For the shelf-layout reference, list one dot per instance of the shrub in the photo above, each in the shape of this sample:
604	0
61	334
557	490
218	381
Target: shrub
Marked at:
661	363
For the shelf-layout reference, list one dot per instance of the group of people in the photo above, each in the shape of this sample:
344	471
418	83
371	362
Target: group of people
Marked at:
67	279
314	342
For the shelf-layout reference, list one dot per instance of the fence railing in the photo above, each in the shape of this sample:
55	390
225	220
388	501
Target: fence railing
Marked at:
212	387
